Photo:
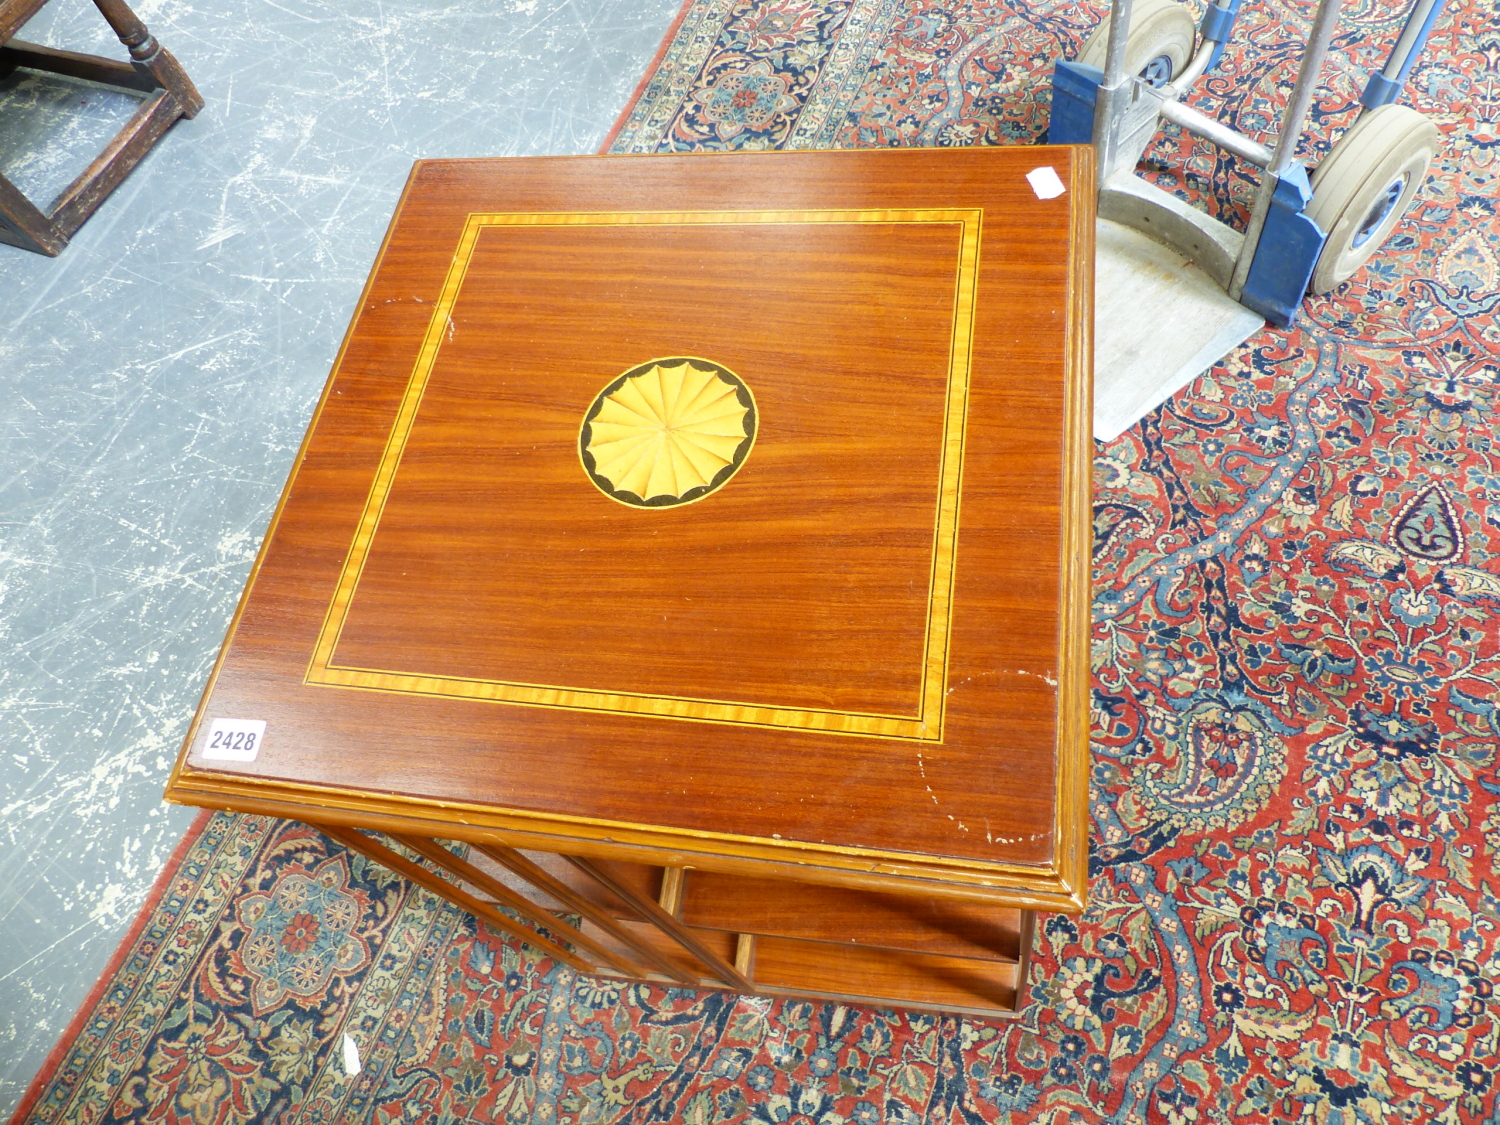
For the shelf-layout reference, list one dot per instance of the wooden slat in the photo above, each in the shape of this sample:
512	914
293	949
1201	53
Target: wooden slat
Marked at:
463	869
545	882
722	946
673	880
92	68
14	13
919	923
744	954
1023	967
664	921
357	841
884	976
80	198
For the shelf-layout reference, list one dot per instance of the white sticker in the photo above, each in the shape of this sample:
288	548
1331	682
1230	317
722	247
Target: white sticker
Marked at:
351	1055
234	740
1044	181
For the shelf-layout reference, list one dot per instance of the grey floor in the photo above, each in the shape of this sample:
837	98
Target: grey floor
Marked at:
156	378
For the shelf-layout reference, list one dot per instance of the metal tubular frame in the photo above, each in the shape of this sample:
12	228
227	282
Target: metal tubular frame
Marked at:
1119	32
1395	67
1384	87
1200	124
1325	22
1126	111
1116	87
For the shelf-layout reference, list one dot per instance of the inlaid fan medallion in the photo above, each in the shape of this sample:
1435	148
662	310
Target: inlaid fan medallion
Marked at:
667	432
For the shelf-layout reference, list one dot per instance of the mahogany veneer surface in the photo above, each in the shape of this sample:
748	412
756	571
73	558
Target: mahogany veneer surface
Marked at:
859	658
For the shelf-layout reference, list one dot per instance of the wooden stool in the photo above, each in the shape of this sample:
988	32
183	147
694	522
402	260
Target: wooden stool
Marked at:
151	69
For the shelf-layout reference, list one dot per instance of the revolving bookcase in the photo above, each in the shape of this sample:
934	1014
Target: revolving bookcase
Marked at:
700	544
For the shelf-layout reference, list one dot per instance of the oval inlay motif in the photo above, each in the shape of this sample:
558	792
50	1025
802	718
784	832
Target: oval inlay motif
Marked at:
667	432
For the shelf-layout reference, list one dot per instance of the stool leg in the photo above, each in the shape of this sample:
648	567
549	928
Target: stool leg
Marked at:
23	224
149	56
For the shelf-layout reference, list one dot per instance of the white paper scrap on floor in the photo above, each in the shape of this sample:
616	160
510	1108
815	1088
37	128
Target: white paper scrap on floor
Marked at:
1159	323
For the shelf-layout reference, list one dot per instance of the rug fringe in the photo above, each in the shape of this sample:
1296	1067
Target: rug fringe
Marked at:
107	975
640	87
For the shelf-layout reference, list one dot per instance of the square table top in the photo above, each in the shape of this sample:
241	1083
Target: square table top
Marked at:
717	510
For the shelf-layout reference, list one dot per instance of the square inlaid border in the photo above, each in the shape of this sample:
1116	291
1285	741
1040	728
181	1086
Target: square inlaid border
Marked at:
927	726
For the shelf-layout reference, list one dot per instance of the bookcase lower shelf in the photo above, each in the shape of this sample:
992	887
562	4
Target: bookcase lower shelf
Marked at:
701	929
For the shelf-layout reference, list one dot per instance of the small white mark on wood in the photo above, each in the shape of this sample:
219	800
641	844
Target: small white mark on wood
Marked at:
1043	676
1045	182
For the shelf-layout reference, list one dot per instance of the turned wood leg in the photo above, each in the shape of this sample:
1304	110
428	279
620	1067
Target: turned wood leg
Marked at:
150	56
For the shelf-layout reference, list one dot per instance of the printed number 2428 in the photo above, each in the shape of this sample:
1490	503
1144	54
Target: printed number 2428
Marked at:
242	740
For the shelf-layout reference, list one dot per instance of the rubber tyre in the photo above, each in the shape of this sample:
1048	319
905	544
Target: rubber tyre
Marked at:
1391	145
1157	28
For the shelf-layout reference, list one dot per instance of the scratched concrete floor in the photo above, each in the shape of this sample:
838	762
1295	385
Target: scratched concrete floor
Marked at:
155	381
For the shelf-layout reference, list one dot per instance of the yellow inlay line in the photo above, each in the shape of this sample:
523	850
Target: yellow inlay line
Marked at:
926	727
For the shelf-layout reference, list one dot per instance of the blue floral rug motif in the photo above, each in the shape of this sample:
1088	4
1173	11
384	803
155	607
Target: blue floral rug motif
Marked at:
1296	714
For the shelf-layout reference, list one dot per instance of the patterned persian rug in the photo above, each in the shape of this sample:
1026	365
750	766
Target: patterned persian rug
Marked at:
1297	629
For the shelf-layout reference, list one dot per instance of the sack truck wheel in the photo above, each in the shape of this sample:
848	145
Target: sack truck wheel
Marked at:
1159	45
1364	186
